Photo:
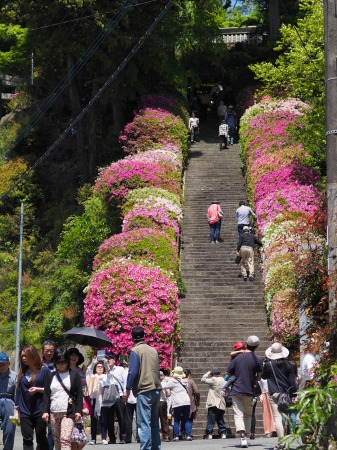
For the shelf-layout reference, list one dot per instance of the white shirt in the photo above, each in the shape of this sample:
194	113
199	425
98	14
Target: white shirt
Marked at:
242	215
58	396
118	373
308	366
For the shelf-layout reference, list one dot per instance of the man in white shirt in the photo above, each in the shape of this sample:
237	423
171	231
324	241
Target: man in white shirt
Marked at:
243	214
118	376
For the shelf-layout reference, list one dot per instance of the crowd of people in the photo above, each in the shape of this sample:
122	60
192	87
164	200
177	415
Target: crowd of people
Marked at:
51	395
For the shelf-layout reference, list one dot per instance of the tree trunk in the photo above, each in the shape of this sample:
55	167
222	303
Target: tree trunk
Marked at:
274	18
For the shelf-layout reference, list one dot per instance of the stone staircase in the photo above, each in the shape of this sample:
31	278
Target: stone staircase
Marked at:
219	308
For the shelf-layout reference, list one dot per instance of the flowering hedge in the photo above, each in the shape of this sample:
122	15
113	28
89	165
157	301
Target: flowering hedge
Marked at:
153	126
115	181
288	203
157	218
126	294
149	198
171	104
161	155
148	244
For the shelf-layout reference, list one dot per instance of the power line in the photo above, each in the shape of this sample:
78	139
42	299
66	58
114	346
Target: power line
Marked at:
92	101
73	72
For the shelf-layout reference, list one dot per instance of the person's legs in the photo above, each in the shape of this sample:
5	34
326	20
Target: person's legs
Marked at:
244	253
210	420
41	433
27	431
148	420
177	417
155	435
111	424
165	429
247	412
129	411
212	232
93	423
250	261
120	413
240	228
55	425
238	408
277	417
219	413
67	425
50	438
104	421
185	416
7	410
217	230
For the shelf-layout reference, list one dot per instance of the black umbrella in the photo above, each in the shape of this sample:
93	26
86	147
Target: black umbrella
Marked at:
89	336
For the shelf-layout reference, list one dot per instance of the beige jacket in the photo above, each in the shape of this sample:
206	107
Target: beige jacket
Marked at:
215	386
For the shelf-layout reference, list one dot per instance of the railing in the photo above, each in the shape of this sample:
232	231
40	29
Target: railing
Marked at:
243	35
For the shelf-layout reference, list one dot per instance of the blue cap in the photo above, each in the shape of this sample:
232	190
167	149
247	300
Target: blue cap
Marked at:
4	358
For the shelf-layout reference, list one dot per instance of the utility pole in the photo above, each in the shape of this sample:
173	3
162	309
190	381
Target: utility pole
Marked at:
18	314
330	45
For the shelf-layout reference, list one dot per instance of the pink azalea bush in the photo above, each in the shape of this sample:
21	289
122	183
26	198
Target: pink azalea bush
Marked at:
171	104
289	206
152	196
152	127
160	156
115	181
149	244
126	294
157	218
294	197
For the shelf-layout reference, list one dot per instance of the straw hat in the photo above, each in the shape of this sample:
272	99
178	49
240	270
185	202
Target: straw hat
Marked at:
276	351
178	372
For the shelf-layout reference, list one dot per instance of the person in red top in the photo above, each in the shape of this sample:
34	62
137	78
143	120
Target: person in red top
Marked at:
214	215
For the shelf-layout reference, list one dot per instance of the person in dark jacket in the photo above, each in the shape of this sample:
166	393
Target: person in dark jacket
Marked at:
62	400
29	393
8	380
280	376
245	249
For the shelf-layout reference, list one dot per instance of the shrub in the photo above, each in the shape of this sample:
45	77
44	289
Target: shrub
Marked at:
127	294
157	218
148	244
152	127
115	181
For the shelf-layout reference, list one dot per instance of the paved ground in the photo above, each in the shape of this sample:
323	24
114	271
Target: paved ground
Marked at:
215	444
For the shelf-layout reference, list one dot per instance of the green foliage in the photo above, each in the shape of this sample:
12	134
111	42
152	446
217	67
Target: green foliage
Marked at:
316	405
299	68
13	50
84	233
137	195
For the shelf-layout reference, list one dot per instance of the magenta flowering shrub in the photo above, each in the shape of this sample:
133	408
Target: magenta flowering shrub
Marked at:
294	175
126	294
289	206
160	156
152	127
115	181
157	218
149	244
296	198
171	104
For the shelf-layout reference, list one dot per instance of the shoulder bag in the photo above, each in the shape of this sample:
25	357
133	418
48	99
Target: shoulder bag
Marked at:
284	401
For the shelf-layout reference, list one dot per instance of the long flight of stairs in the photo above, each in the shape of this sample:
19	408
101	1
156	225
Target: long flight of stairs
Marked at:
219	307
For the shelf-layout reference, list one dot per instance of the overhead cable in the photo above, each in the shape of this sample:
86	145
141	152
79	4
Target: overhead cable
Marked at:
71	126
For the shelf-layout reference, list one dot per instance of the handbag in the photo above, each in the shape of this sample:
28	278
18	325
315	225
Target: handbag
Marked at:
220	213
238	259
88	405
109	395
284	401
228	400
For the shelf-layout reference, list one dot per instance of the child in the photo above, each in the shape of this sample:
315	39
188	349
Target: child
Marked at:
223	134
239	347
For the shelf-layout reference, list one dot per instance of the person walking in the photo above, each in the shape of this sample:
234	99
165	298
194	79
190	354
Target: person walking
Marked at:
243	214
144	380
8	380
29	394
194	394
246	367
280	376
193	126
180	403
214	216
221	111
95	376
118	376
223	135
245	249
215	403
62	400
48	352
163	409
231	121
